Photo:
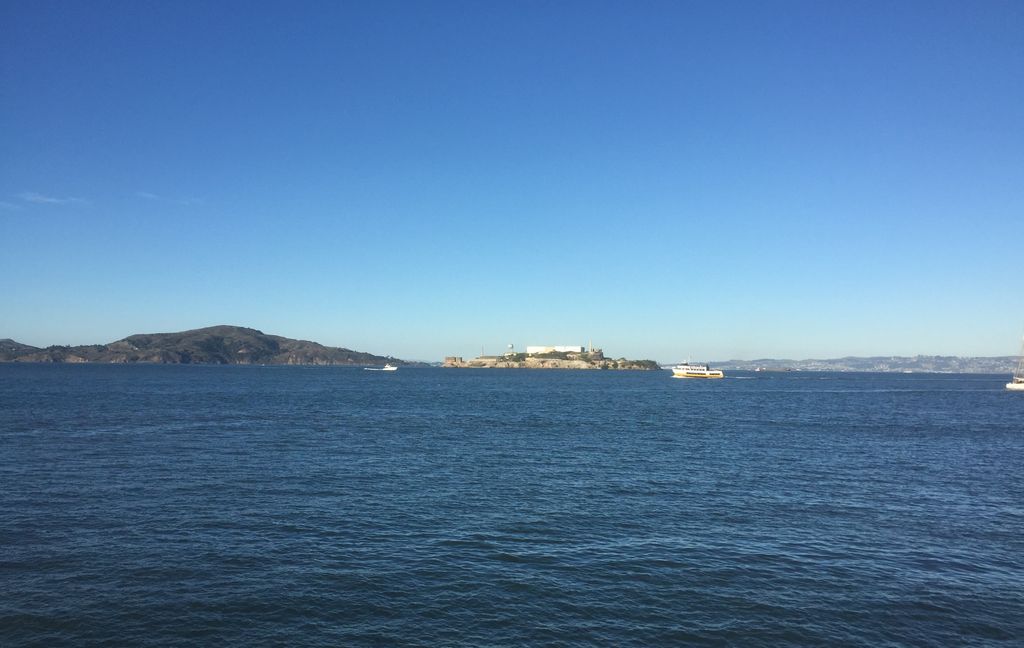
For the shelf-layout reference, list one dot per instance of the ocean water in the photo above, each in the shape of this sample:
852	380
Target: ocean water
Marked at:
190	505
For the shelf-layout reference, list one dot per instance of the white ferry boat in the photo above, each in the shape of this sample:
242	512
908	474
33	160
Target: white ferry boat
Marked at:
387	367
690	370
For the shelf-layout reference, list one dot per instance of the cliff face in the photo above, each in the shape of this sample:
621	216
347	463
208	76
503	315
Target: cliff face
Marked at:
552	363
212	345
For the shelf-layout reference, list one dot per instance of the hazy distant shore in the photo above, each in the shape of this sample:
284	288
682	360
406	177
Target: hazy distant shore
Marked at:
882	364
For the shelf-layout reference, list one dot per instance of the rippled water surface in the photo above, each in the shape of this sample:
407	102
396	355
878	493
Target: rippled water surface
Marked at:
162	505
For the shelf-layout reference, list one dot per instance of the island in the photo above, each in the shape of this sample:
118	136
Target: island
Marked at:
551	357
210	345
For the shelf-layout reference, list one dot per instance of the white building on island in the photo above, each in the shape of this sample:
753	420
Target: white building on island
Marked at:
531	350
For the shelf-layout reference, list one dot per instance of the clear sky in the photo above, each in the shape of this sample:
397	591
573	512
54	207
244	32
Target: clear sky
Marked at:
711	180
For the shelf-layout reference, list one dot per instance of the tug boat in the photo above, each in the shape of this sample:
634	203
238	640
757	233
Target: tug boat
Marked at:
690	370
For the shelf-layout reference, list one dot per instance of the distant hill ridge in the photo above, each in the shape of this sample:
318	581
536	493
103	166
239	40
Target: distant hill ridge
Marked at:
211	345
899	364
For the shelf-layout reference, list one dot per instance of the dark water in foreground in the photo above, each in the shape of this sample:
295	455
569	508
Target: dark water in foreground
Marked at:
157	505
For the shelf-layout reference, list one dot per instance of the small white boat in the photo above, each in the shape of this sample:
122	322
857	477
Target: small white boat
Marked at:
1017	383
387	367
690	370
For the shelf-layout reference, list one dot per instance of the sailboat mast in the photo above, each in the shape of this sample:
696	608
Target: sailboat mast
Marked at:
1019	374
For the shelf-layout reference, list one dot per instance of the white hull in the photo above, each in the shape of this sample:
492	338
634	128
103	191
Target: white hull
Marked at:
1017	384
696	371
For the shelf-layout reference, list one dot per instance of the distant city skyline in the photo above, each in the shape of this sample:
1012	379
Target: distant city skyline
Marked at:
669	180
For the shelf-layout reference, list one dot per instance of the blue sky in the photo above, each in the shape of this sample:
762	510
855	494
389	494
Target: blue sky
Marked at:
670	180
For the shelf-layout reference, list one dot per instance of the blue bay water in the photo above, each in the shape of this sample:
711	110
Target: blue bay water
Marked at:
185	505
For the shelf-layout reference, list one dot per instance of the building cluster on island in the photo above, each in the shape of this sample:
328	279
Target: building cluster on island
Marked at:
550	357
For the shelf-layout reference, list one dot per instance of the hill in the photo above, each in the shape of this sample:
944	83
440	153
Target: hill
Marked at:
211	345
11	349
